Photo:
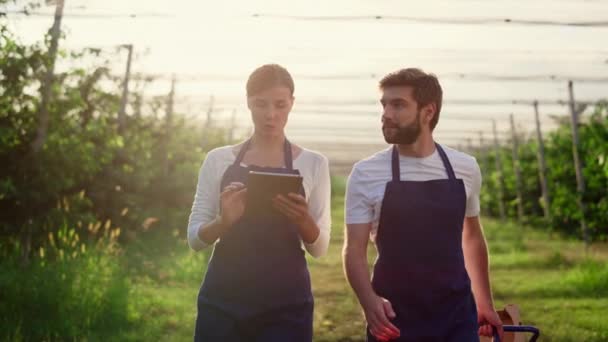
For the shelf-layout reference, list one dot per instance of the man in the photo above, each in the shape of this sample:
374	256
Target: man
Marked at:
419	201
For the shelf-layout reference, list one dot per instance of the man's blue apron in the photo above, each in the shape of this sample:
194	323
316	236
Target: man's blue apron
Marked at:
420	267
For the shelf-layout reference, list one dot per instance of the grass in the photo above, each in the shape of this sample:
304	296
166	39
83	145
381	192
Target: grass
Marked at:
559	287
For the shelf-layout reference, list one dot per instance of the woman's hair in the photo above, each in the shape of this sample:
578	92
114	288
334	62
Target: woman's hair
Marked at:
268	76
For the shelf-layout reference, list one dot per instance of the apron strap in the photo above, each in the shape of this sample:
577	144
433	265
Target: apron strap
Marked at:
241	155
288	158
287	155
395	164
446	162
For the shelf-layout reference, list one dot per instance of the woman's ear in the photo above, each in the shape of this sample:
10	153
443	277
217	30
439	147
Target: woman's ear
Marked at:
293	100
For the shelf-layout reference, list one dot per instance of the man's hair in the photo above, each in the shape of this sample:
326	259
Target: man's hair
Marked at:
268	76
426	87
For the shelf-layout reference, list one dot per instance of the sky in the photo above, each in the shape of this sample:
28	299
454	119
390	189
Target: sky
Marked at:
337	51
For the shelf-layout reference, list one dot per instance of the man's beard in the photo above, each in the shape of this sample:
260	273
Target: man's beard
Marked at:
404	135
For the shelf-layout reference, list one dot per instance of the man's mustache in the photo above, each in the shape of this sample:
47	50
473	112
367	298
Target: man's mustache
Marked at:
389	124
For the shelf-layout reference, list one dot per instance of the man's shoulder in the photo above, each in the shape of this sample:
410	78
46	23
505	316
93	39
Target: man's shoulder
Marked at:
378	162
460	159
465	165
379	157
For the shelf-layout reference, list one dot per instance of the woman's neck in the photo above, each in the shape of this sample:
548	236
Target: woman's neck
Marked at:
267	143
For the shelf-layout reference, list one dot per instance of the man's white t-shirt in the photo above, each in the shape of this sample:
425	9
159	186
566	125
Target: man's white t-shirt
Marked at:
368	178
314	169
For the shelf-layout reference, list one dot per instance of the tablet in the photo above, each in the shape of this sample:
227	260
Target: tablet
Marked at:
262	187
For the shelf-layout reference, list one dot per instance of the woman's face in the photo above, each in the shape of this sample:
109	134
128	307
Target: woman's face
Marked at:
270	109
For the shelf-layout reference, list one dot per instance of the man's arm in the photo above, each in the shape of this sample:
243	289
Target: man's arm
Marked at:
476	262
354	255
377	310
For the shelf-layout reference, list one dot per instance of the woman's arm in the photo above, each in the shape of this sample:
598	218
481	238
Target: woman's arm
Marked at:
205	207
319	206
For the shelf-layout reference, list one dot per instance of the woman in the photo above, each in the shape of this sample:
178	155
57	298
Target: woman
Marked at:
257	285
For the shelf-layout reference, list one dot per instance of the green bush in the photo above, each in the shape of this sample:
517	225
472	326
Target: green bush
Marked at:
561	178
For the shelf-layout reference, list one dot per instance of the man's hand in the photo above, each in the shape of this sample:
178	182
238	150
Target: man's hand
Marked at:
378	312
488	318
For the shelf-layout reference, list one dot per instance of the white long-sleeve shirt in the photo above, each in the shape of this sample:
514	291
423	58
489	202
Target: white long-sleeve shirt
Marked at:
314	169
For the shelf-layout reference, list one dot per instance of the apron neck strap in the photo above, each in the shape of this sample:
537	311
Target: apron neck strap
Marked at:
395	164
446	162
444	159
287	155
288	158
241	155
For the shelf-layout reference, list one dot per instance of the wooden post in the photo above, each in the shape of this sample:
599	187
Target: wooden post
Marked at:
483	155
501	180
43	120
47	85
168	127
542	166
483	152
517	171
125	91
580	180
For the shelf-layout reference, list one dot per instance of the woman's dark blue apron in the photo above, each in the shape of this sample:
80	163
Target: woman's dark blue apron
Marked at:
257	285
420	267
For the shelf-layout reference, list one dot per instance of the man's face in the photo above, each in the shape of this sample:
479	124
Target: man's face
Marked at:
270	109
401	116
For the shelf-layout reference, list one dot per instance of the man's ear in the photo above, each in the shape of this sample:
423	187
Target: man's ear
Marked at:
428	112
